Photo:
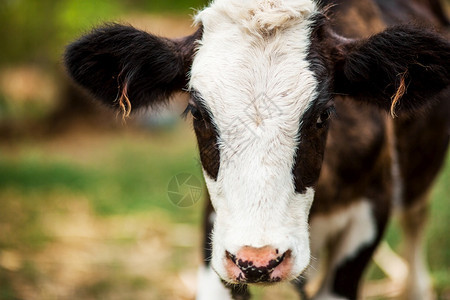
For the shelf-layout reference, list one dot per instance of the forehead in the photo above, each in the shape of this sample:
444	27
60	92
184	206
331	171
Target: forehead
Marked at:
252	61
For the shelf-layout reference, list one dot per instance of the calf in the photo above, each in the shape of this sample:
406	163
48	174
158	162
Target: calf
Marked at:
290	102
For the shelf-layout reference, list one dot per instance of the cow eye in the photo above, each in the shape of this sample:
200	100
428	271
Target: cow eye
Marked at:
195	112
324	116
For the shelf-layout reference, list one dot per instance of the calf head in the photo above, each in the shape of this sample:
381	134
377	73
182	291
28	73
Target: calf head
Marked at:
261	75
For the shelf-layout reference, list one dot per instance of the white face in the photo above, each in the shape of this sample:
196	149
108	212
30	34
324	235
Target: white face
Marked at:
256	83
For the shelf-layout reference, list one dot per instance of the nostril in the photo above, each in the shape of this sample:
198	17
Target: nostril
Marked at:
243	265
275	262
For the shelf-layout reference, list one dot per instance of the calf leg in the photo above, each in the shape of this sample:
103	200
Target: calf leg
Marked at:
210	286
412	222
352	236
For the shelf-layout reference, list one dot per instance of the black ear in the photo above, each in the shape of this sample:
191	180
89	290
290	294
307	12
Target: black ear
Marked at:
399	69
125	67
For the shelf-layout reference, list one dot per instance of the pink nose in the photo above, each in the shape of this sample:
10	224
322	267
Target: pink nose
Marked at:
252	265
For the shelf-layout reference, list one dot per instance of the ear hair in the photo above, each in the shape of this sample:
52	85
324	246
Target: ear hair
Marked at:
126	67
399	69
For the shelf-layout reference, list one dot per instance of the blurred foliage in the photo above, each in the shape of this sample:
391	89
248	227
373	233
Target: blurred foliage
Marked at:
33	31
131	176
34	34
63	194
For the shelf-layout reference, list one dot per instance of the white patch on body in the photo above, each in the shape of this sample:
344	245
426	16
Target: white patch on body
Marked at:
210	286
397	180
355	226
252	71
418	282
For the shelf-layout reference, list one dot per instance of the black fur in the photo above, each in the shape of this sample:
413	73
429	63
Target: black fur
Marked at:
309	153
371	70
207	136
117	57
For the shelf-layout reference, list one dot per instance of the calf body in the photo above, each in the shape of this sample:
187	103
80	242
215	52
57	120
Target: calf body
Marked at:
290	103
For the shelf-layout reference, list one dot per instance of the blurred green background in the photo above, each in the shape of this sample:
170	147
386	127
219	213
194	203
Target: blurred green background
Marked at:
84	209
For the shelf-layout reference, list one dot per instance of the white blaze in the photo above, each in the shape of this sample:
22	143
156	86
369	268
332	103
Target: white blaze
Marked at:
252	71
